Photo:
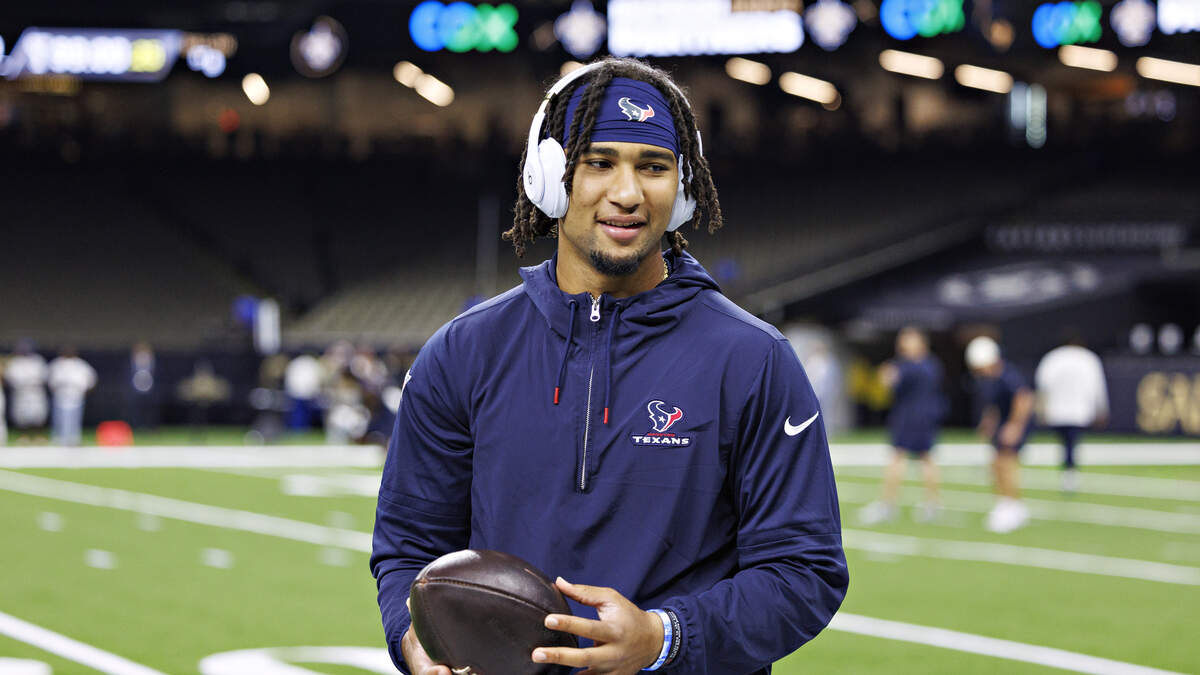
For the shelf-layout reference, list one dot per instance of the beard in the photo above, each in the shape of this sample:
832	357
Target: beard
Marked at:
615	267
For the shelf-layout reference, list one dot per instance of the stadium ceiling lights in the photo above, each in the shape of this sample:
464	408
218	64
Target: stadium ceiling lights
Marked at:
581	30
996	81
319	51
829	23
907	63
256	89
811	88
427	86
749	71
1168	71
1087	57
1132	21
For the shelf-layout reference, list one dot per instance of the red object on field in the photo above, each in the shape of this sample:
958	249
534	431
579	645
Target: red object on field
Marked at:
114	433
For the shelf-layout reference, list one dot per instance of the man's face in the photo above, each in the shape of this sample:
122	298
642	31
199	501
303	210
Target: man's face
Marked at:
621	200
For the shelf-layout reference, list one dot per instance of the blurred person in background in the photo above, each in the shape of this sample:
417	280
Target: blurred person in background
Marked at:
915	378
302	382
201	391
141	411
1072	396
70	380
1006	401
3	412
26	377
346	418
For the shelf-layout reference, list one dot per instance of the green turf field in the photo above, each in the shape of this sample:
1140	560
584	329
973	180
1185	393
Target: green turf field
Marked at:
138	563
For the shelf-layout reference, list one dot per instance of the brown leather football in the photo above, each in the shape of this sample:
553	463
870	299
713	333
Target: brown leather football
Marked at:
482	613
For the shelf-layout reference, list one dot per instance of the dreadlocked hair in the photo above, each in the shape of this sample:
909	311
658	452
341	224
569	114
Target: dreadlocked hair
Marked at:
529	222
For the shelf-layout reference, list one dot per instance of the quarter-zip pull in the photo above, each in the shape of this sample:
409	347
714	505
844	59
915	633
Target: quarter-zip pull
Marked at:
595	309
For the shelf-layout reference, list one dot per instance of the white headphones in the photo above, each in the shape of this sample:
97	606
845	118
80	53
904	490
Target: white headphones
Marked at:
546	166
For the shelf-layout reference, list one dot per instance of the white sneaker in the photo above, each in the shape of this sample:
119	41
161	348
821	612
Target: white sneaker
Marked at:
1070	480
876	512
927	512
1007	515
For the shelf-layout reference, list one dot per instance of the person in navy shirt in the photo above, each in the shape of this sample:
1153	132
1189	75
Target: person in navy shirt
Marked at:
615	420
915	378
1006	401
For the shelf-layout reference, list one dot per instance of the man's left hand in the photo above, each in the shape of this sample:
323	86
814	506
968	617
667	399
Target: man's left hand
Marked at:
627	638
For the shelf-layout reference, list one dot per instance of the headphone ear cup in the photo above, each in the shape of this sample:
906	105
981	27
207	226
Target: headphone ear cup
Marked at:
683	209
553	168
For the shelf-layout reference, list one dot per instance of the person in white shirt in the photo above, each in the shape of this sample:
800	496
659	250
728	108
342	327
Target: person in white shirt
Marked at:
1072	396
70	379
26	378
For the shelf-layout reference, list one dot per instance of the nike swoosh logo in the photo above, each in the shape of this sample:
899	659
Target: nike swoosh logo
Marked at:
793	430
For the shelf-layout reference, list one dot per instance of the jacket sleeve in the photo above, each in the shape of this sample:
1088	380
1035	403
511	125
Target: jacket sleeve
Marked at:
424	496
792	573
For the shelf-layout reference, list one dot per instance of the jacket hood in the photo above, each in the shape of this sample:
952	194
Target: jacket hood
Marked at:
646	313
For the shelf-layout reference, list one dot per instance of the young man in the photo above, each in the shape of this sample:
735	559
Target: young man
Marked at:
1072	396
915	379
1007	417
615	420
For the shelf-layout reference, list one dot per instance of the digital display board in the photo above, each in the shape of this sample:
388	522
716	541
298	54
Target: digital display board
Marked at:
95	54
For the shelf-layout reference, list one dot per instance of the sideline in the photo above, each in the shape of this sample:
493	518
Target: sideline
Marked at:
1110	484
286	528
1043	509
1023	556
978	644
299	456
191	457
1033	454
67	648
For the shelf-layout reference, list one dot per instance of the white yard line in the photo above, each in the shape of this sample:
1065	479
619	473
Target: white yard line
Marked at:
286	528
198	457
1045	509
1034	454
1023	556
67	648
978	644
177	509
1043	479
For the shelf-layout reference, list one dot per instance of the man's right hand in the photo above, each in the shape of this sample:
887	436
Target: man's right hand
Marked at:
418	661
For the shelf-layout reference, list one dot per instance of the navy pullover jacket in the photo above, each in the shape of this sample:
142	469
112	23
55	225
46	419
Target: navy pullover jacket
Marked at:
668	445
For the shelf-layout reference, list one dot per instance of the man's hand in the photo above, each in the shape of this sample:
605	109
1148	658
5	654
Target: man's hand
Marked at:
627	638
418	661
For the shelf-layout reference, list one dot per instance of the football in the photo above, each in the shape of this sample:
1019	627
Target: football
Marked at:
482	613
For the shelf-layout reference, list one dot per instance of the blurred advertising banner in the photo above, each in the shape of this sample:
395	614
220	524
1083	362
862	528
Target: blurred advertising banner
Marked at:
96	54
1152	395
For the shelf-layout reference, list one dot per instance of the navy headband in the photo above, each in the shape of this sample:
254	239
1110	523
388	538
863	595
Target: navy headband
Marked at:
631	111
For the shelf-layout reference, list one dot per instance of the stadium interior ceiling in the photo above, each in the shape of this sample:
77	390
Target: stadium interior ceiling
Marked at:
140	210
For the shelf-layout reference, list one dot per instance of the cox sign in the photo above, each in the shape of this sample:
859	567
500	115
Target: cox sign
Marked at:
906	19
461	27
1067	23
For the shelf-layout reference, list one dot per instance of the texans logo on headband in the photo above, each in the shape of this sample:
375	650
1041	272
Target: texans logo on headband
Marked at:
633	111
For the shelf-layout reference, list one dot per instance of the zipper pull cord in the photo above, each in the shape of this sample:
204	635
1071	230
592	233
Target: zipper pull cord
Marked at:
612	330
562	369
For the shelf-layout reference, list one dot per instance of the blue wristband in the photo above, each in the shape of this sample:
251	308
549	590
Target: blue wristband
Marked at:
668	638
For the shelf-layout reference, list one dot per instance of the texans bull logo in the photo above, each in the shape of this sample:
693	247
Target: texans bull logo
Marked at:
661	418
635	112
